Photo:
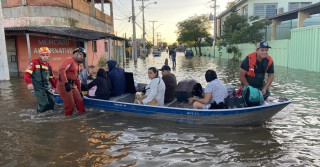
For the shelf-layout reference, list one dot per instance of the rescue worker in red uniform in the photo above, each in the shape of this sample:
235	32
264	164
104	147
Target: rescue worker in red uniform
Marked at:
69	86
40	78
255	66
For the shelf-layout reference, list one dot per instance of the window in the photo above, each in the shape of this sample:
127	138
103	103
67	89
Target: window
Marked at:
106	46
264	10
245	11
94	46
297	5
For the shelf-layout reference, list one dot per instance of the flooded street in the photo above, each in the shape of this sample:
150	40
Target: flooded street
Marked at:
98	138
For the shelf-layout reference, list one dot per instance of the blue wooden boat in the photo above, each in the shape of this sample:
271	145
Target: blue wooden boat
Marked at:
184	114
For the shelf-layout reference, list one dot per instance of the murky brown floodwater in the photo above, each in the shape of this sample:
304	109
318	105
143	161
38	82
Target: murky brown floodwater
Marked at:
291	138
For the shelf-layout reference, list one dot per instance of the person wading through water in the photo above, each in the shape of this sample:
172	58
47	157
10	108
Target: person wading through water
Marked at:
69	86
40	78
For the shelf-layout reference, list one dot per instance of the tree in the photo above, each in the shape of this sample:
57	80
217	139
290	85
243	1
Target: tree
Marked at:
237	30
174	45
149	45
194	29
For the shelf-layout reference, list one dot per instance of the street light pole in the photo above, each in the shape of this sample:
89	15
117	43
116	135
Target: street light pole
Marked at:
4	67
143	26
134	43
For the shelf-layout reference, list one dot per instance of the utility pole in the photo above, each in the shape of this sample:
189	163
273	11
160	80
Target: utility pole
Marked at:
158	34
144	31
153	30
4	67
215	27
143	28
134	43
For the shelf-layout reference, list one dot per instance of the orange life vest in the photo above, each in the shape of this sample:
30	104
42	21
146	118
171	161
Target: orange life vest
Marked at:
252	63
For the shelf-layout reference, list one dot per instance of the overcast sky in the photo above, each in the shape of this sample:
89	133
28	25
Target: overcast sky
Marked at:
167	13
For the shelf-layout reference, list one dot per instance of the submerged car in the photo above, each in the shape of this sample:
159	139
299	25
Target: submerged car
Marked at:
188	53
156	53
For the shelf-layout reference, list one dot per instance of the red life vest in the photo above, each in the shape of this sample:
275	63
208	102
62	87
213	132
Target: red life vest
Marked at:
252	63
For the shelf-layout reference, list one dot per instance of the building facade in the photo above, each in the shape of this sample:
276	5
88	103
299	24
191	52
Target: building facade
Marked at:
263	9
61	25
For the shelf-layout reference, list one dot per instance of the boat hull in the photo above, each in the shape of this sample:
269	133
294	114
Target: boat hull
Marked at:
237	116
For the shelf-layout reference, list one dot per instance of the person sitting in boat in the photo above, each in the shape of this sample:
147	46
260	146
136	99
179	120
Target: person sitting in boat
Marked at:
83	75
170	81
155	89
103	85
215	93
254	67
117	78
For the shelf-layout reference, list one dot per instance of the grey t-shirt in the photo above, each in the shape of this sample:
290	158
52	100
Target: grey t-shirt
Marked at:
218	90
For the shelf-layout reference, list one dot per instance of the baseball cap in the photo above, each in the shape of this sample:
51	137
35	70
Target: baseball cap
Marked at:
263	44
165	67
44	50
83	50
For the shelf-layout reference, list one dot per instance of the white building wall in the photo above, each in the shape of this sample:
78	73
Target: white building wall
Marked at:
281	4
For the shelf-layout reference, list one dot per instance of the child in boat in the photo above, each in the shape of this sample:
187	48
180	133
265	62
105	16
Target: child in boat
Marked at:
103	85
215	93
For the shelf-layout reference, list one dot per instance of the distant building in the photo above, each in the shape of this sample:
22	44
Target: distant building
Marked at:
263	9
61	25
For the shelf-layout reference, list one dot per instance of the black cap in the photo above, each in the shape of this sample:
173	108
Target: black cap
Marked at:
165	67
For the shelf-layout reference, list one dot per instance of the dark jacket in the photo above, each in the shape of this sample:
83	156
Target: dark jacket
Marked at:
171	84
103	85
117	78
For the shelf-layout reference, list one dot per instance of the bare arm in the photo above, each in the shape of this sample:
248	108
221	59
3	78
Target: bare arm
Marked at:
242	77
205	100
269	81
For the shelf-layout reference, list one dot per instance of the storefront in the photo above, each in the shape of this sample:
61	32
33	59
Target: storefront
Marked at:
23	46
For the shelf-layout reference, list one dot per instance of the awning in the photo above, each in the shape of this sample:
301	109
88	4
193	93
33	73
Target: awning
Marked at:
65	31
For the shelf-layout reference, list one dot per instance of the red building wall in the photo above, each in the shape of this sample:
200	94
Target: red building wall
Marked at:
12	3
60	49
94	57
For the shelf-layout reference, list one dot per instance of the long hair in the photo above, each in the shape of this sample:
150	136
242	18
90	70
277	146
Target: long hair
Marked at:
210	75
101	73
155	70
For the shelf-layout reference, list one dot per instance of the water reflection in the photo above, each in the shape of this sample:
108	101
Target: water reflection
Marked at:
170	145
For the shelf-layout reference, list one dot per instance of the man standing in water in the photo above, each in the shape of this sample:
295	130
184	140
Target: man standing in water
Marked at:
173	54
255	66
38	77
69	86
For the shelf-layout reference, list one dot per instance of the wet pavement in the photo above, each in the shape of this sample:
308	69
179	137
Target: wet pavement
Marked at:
98	138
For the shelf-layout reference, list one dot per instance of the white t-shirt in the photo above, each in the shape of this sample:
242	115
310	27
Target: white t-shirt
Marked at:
155	89
218	90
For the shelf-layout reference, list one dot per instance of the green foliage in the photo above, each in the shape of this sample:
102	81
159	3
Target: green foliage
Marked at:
174	45
237	30
193	30
102	62
149	45
207	41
